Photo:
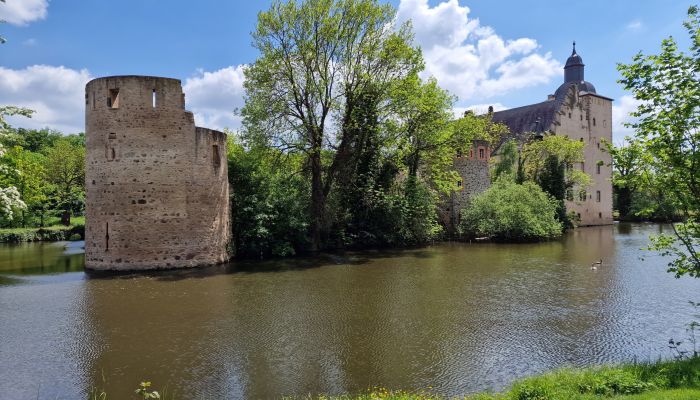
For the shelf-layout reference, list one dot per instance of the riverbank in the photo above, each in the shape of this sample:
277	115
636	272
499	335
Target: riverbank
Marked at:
665	380
75	231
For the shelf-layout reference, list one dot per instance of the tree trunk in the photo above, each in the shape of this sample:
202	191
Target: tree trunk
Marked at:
65	218
317	200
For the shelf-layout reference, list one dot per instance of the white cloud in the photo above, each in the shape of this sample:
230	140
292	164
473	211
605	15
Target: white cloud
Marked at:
30	42
471	60
478	109
213	97
621	110
634	25
56	94
22	12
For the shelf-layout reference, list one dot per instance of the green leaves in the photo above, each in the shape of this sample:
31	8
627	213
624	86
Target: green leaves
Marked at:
667	133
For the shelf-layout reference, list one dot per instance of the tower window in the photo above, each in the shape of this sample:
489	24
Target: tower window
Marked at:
593	121
598	169
215	156
582	195
113	99
600	215
583	167
569	115
106	236
482	154
597	196
459	183
154	99
581	117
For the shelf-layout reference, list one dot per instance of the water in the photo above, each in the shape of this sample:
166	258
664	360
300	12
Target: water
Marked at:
451	318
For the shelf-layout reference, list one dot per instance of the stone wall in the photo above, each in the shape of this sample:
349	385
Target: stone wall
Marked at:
156	186
473	169
587	117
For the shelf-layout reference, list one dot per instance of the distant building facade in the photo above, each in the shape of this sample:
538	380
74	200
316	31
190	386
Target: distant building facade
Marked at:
577	111
157	191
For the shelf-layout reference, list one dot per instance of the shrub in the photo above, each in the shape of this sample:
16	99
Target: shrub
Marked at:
508	211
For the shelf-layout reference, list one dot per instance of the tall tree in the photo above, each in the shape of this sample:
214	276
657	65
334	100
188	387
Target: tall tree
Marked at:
316	58
668	129
65	170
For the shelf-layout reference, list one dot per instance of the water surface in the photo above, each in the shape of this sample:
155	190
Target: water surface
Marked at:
455	318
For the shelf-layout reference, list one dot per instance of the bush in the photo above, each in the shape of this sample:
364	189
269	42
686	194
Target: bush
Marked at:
508	211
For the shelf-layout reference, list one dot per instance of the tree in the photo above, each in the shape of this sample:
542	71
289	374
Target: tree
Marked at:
65	171
667	128
25	172
316	58
507	163
508	211
550	162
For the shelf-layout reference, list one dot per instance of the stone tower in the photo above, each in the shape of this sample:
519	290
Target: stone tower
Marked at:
156	185
474	178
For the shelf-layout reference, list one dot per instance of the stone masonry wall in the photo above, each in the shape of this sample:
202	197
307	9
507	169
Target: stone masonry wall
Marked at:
473	169
156	186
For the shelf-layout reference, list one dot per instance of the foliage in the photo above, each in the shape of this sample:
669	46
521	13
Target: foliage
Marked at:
507	163
48	234
509	211
65	171
145	393
268	202
25	172
315	57
667	129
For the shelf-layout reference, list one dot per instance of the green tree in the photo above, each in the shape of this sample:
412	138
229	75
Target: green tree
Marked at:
65	171
507	163
508	211
25	171
316	58
667	128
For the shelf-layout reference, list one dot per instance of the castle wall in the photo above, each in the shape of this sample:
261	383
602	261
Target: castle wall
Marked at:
473	170
156	189
588	118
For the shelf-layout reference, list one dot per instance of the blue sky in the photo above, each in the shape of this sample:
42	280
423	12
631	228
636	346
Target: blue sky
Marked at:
505	53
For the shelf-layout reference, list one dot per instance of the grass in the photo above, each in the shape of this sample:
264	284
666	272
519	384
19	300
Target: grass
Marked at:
667	380
54	232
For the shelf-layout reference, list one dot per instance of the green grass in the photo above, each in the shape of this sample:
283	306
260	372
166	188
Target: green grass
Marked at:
672	380
53	232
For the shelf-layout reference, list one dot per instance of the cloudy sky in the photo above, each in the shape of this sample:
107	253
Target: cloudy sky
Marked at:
486	52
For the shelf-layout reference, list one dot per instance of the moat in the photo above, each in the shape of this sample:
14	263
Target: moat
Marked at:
450	318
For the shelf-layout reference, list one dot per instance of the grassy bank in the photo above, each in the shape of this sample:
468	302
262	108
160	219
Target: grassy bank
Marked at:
672	380
48	233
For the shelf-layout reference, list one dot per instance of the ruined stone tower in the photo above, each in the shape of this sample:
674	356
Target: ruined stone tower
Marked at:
156	185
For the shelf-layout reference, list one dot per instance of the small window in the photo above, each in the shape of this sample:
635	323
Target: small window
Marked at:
569	195
582	195
482	154
215	156
583	167
597	196
605	123
598	144
593	121
113	99
600	215
106	236
597	168
112	154
569	115
154	99
471	154
459	153
581	140
459	183
578	215
581	117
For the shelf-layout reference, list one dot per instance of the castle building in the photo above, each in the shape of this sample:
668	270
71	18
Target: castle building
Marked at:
473	169
577	111
156	185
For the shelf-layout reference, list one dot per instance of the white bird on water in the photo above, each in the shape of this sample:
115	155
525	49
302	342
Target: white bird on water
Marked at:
593	265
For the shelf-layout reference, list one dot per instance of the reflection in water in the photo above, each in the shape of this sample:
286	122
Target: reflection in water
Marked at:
457	318
41	258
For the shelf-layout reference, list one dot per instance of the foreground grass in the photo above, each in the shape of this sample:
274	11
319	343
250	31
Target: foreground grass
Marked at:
669	380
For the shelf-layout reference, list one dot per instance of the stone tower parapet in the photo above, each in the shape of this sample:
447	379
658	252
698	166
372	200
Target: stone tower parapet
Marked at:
156	185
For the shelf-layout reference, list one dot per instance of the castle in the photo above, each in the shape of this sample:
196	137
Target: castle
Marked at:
156	185
574	110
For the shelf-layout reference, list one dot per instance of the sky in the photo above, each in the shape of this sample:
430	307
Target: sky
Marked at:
485	52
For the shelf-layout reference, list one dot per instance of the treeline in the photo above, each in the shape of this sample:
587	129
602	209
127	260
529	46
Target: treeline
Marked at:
41	175
344	144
